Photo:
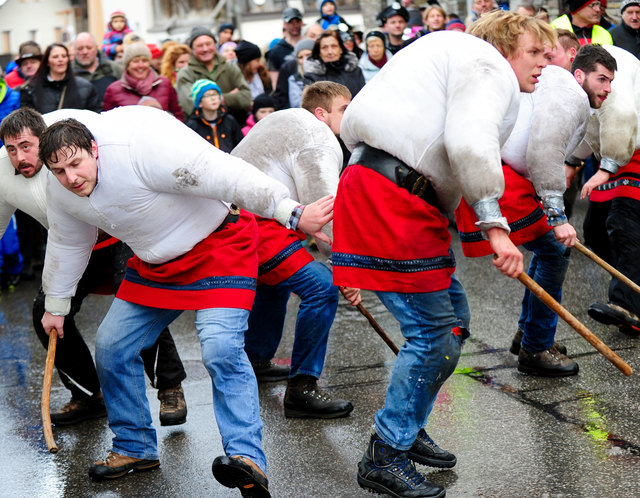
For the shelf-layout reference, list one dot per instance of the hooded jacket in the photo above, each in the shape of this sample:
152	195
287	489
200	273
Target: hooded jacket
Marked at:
224	133
344	71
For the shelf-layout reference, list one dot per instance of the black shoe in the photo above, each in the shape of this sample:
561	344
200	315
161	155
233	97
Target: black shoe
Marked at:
426	452
79	409
517	339
612	314
240	472
268	371
385	470
304	399
116	465
547	363
173	407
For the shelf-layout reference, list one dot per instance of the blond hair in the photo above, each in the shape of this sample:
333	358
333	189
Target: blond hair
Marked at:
169	58
502	29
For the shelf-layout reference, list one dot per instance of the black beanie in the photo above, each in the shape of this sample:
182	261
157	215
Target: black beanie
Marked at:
576	5
261	101
247	51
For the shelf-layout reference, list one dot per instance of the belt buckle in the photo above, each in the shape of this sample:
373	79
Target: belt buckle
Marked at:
420	186
234	210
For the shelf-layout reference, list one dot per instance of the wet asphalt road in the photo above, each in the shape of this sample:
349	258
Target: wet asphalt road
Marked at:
514	435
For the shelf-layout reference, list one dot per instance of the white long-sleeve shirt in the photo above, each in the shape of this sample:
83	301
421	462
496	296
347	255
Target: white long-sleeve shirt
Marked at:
552	122
444	105
160	190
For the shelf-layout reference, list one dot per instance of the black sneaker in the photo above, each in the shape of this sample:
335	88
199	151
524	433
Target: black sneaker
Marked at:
386	470
547	363
79	409
517	339
116	465
173	407
240	472
304	399
426	452
612	314
268	371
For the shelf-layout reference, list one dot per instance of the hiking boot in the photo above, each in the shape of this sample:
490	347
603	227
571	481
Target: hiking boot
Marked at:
304	399
268	371
173	407
547	363
240	472
517	339
386	470
78	409
426	452
116	465
612	314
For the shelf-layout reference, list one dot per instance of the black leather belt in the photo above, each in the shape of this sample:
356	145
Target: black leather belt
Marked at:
232	217
395	170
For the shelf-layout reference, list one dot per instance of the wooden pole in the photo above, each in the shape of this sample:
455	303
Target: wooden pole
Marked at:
46	393
575	323
594	257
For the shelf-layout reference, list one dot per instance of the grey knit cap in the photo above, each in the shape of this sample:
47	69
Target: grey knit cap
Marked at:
134	50
199	31
628	3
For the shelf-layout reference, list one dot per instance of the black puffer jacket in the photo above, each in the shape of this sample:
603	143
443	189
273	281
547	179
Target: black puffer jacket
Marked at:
44	96
626	37
344	71
225	133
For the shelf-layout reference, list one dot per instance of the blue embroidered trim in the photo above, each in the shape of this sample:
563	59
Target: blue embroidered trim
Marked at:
208	283
395	265
279	258
621	182
528	220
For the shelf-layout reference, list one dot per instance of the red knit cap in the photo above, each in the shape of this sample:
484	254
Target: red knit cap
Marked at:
117	13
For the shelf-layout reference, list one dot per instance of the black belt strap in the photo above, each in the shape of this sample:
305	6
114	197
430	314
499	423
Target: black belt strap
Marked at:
232	217
395	170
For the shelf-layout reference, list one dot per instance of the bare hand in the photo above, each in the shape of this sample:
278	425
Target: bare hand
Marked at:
315	216
352	295
508	258
596	180
50	322
566	234
569	174
151	102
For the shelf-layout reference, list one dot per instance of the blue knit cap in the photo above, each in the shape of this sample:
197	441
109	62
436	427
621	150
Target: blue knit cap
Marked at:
200	87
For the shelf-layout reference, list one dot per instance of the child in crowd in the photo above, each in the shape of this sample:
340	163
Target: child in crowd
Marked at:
210	119
112	40
263	105
329	15
11	262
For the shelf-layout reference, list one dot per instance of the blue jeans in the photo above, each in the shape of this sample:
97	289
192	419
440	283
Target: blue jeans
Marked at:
129	328
318	305
427	358
548	268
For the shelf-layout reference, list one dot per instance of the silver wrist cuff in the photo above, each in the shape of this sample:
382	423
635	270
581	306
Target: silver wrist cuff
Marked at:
489	216
609	165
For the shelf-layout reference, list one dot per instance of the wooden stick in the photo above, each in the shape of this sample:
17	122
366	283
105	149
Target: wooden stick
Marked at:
46	392
575	323
378	329
594	257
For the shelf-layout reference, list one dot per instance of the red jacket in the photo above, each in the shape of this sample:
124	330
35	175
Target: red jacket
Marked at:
119	93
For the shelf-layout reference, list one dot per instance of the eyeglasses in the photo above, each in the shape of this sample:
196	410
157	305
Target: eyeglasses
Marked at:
595	5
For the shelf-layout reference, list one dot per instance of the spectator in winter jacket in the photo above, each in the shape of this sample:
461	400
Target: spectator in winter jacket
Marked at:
627	34
174	58
54	85
330	61
206	63
329	15
375	56
27	63
140	84
225	33
210	119
250	63
262	106
92	65
288	92
112	41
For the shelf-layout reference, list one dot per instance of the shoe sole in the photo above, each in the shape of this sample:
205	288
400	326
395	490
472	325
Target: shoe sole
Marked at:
374	487
430	462
88	416
231	475
609	317
141	468
168	422
546	373
291	413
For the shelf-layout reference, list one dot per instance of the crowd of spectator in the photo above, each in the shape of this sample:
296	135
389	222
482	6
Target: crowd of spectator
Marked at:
246	81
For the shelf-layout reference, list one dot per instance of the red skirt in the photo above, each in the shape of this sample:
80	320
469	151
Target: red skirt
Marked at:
625	183
518	204
219	272
386	239
280	252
